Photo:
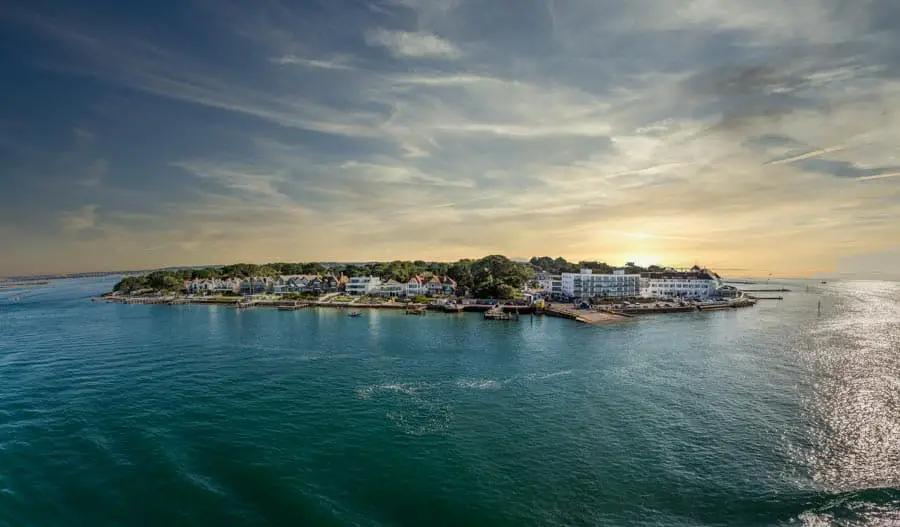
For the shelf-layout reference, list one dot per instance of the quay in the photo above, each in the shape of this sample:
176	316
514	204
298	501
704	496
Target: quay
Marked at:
584	316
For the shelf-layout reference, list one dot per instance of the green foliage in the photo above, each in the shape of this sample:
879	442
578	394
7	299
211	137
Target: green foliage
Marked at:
560	265
420	300
493	276
160	281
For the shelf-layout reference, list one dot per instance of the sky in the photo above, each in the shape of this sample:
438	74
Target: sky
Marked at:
751	136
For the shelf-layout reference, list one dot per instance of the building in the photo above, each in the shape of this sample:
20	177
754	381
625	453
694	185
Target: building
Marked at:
392	288
416	286
363	285
556	290
696	283
449	285
256	285
586	284
435	286
544	280
333	283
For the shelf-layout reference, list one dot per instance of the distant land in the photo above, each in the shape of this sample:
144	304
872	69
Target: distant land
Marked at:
100	274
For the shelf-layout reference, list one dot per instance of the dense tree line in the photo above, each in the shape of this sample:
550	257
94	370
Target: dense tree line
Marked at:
493	276
560	265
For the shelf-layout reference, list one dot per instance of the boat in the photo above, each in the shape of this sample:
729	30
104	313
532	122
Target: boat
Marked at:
415	310
824	282
452	308
354	314
497	313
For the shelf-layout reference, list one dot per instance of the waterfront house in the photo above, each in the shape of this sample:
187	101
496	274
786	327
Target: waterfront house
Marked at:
363	285
283	284
585	285
199	287
449	285
435	286
255	285
416	286
332	284
314	285
392	288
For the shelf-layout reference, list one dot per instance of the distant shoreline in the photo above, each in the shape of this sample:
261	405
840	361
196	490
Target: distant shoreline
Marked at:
20	285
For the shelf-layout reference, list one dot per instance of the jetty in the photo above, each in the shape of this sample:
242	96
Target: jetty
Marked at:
585	316
292	307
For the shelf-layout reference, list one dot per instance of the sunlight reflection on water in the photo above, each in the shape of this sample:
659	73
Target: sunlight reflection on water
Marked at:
853	410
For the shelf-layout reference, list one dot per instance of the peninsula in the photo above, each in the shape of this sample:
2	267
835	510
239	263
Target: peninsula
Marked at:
588	291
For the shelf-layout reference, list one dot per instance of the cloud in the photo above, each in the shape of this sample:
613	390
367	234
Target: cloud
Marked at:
880	176
405	128
406	44
82	219
294	60
808	155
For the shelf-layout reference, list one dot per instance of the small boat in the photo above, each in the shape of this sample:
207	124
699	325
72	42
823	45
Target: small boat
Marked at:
497	313
354	314
824	282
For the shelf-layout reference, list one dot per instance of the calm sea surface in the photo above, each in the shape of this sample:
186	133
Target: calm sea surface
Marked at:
194	415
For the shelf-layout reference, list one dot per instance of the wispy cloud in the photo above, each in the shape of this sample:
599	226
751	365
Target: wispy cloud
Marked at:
880	176
406	44
294	60
81	219
808	155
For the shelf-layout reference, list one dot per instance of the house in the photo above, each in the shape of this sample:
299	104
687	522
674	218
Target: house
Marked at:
362	285
314	285
392	288
416	286
449	285
283	284
333	283
255	285
199	287
585	284
435	286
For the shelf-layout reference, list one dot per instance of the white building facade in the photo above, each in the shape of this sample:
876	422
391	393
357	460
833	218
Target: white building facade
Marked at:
586	285
695	284
363	285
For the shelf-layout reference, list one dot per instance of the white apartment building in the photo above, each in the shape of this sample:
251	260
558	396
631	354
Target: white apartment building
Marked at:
694	284
544	280
363	285
586	284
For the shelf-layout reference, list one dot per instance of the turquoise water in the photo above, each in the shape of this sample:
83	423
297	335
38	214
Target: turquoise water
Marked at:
195	415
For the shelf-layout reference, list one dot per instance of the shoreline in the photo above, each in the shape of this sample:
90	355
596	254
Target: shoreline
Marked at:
585	316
